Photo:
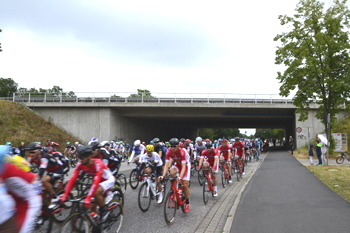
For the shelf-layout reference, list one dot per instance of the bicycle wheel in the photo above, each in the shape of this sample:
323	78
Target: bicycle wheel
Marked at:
121	181
144	197
206	191
115	219
60	213
76	223
201	177
134	179
118	195
223	179
170	208
340	160
239	171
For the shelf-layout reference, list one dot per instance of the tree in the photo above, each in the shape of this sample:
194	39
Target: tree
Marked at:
315	53
7	87
142	93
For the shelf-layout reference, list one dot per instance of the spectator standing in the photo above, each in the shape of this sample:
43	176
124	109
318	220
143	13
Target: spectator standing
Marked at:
311	154
291	144
319	152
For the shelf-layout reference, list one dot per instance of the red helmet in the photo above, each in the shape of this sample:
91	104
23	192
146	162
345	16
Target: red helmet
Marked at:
224	141
207	140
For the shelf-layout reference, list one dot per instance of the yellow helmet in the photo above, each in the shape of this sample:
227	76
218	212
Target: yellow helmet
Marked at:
19	162
149	148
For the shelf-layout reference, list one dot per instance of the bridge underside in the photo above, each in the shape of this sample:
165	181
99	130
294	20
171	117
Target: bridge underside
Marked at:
182	122
147	122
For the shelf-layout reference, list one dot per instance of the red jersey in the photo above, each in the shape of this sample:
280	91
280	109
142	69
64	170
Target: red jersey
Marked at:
239	146
225	150
98	170
210	156
180	156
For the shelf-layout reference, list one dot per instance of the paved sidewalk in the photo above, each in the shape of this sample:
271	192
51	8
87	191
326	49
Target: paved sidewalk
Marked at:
220	217
284	196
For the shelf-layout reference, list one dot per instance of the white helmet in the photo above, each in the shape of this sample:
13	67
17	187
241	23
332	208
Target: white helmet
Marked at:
105	143
76	143
137	143
199	139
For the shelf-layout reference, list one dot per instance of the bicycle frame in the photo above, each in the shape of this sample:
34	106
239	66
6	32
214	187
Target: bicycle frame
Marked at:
176	190
208	175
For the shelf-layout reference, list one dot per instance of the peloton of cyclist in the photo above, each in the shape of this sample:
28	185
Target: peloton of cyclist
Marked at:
209	158
103	180
238	148
225	152
182	165
152	163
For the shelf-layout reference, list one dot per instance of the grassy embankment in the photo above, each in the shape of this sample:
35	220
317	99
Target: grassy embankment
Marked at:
19	124
337	178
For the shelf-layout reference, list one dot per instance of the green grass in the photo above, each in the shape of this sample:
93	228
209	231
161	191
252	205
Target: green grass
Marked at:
19	124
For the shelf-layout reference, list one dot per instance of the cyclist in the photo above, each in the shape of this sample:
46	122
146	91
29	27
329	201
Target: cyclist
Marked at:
109	156
152	163
53	166
137	150
182	165
103	180
160	149
209	158
23	187
238	147
225	152
198	148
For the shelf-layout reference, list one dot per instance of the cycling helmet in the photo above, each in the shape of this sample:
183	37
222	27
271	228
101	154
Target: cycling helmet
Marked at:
67	143
85	150
182	140
94	145
48	149
76	143
94	139
219	140
4	152
174	142
151	142
105	143
208	145
207	140
156	140
19	162
199	139
149	148
8	144
187	142
236	138
137	143
55	144
224	141
33	146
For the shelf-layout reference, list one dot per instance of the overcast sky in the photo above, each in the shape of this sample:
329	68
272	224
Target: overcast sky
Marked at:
162	46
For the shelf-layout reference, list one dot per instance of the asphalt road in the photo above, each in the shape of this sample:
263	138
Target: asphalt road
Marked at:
284	196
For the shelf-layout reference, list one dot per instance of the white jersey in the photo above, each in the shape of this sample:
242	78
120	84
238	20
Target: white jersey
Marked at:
7	205
152	159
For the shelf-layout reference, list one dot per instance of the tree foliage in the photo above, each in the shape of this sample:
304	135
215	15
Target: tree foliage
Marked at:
216	133
7	87
315	52
55	91
142	94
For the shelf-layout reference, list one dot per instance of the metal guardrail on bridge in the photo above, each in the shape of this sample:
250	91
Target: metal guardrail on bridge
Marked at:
155	98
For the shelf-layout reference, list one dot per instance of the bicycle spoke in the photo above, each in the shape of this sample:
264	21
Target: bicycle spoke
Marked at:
170	207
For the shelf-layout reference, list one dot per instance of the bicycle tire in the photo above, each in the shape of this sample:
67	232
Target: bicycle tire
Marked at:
238	172
115	219
223	179
76	223
340	160
201	177
118	195
144	197
206	191
121	182
67	210
134	179
170	208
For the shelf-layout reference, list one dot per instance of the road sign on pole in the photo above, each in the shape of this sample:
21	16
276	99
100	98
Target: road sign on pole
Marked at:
298	129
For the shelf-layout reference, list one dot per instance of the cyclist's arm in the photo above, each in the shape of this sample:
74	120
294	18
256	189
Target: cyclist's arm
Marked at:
71	182
132	156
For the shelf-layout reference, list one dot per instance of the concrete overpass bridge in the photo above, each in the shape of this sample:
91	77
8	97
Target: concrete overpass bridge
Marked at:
168	115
